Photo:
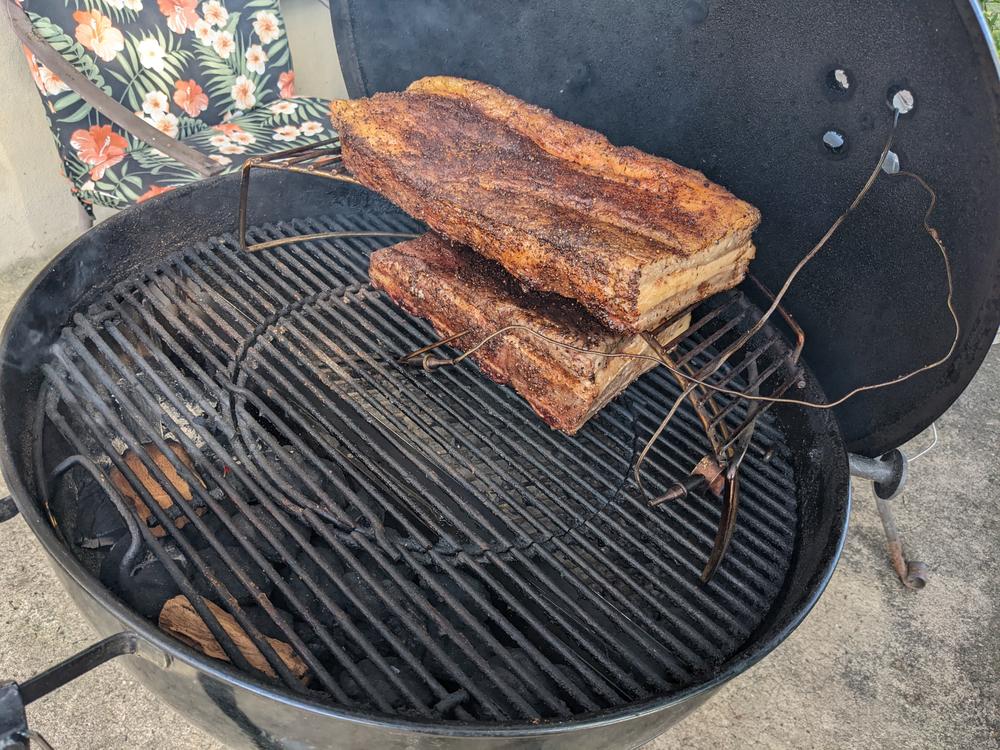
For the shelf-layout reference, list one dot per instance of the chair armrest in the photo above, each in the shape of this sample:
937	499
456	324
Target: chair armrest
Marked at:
114	111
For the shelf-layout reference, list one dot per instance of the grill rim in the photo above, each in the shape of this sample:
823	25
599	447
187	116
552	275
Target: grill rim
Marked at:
175	649
68	264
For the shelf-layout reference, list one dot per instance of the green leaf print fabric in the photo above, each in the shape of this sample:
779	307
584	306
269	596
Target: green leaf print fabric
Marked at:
216	75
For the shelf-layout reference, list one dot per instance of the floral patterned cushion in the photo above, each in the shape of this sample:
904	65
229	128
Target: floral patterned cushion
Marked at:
118	177
216	76
991	10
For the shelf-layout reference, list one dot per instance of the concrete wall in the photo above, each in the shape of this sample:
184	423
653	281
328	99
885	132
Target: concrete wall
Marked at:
38	215
317	70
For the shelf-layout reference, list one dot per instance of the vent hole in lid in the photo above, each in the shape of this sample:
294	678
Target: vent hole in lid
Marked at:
900	99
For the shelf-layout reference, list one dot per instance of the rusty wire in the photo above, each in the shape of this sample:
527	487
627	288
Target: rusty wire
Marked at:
736	446
324	160
429	362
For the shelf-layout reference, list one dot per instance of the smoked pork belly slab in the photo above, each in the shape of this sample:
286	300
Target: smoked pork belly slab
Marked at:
632	237
457	290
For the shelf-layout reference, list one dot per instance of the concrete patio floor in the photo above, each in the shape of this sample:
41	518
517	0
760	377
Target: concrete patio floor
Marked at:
873	666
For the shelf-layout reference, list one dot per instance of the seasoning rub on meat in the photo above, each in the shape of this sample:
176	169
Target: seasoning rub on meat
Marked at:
457	290
633	237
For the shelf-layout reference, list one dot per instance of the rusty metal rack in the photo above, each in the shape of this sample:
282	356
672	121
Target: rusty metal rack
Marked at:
319	159
763	374
717	471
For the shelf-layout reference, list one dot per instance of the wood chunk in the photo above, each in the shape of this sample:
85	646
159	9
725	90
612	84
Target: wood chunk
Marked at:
179	618
158	492
457	289
634	238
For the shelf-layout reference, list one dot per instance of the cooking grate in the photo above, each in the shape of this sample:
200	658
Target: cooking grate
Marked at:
419	541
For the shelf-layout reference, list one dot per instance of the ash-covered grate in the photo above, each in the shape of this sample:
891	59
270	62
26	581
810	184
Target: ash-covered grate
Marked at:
378	536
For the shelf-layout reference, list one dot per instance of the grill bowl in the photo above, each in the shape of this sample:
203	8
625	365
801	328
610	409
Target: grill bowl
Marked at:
233	704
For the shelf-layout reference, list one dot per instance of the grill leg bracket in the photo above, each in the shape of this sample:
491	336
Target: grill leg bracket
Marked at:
13	722
8	509
888	475
14	731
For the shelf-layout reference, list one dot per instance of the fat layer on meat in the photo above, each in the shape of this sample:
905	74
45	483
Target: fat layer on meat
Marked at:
458	290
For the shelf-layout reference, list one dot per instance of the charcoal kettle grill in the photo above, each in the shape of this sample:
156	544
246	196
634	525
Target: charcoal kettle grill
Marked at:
414	559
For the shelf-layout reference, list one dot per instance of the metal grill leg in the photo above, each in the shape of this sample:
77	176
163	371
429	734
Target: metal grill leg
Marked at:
888	475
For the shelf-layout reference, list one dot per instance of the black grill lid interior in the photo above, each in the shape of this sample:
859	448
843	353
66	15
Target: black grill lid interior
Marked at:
745	92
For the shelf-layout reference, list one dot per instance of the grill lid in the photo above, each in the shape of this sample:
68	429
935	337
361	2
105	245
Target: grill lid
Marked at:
746	93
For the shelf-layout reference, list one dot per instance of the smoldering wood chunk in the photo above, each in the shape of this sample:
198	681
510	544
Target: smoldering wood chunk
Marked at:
179	618
159	493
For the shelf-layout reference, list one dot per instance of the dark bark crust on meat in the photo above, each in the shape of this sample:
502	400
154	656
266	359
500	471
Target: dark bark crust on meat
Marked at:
457	289
556	204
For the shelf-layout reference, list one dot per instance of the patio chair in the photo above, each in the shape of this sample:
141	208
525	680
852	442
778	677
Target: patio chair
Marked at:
146	95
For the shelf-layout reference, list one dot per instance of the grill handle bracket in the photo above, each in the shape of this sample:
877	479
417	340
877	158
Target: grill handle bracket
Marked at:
888	476
14	696
8	508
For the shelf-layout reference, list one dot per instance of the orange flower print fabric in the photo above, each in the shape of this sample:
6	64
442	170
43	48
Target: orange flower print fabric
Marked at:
286	84
181	14
215	74
96	33
99	147
48	83
190	97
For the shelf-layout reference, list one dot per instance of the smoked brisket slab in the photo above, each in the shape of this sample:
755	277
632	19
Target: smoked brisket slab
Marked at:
633	237
458	290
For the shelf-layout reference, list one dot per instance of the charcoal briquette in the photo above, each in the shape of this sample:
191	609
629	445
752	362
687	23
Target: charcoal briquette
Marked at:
489	686
376	681
459	658
227	576
316	644
98	522
451	585
379	605
265	623
286	542
326	475
146	587
321	574
535	675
